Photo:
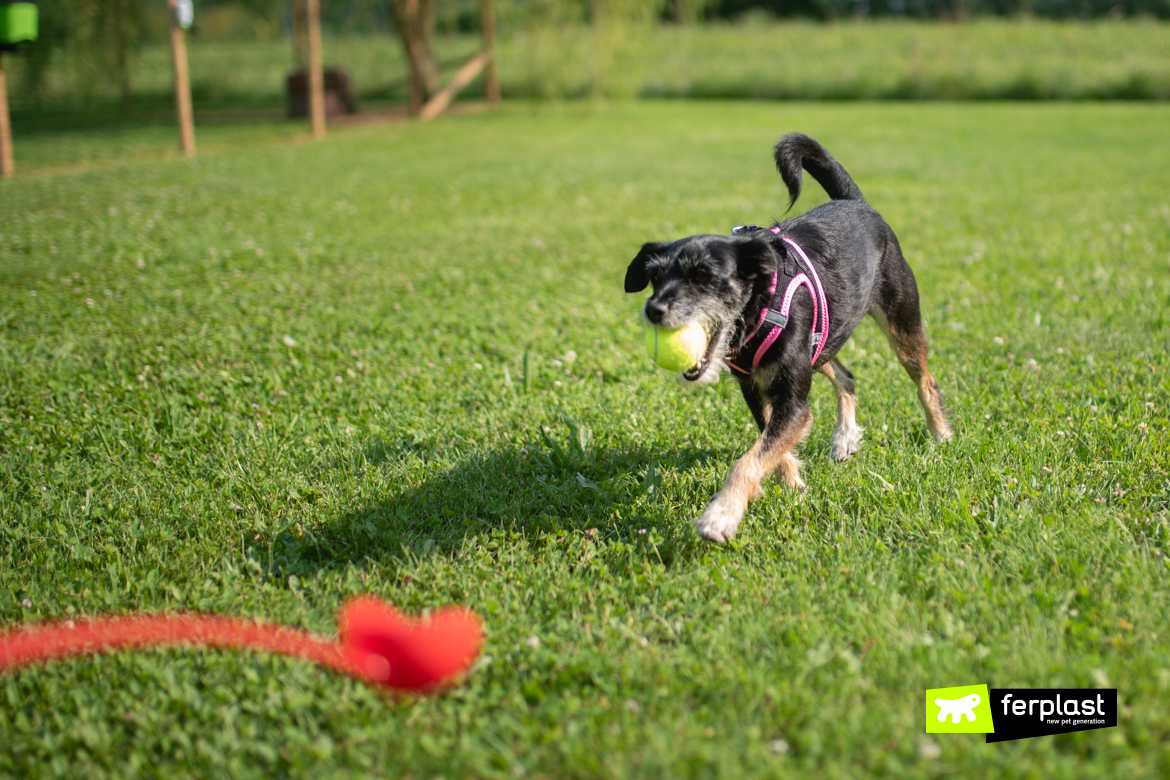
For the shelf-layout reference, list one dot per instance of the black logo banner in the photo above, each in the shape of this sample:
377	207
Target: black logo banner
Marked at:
1020	713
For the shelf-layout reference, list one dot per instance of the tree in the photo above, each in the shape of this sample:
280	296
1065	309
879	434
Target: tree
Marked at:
415	20
122	33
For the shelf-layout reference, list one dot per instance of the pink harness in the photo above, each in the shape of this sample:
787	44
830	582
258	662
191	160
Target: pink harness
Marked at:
778	318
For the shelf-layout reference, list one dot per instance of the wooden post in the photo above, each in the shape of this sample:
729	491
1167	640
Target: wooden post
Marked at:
182	84
316	76
7	166
438	104
491	80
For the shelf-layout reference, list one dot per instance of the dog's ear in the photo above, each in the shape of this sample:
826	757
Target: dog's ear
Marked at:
755	258
636	277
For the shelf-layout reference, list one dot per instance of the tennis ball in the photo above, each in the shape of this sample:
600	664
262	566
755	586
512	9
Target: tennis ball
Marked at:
678	349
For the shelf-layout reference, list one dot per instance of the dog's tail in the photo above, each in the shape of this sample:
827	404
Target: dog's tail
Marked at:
797	150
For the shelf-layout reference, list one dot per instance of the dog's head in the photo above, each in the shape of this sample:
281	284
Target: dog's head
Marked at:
712	280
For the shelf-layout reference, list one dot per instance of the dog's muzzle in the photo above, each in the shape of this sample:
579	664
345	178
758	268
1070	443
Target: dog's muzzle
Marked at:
693	374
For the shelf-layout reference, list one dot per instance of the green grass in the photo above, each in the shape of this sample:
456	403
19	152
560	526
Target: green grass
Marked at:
104	140
899	60
984	59
265	380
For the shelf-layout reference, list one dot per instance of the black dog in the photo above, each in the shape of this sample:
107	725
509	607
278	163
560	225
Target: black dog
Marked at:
778	304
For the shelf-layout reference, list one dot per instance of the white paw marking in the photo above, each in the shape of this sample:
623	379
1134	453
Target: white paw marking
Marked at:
799	487
958	708
846	441
718	523
782	480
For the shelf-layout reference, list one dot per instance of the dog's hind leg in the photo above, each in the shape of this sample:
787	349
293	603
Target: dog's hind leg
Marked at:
772	452
908	339
847	434
897	313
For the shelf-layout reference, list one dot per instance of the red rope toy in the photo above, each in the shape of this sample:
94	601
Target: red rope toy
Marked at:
378	644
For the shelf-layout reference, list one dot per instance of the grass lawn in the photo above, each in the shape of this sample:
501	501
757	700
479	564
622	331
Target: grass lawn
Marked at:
270	378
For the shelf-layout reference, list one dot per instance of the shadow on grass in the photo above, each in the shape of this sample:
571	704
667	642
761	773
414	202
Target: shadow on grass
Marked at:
148	111
145	111
571	487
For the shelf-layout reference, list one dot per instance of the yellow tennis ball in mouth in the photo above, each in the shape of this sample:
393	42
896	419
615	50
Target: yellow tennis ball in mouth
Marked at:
678	349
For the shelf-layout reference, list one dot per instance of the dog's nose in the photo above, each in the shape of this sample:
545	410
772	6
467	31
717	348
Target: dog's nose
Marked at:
655	311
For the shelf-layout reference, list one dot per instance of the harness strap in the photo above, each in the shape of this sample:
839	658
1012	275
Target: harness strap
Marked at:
778	318
796	282
819	297
768	311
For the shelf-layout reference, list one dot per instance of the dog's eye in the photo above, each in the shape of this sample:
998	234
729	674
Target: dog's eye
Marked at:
699	274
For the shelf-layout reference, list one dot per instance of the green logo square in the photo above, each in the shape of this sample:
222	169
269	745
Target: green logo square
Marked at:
962	710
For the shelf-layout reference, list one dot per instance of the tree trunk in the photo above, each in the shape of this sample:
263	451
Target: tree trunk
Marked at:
122	49
415	20
491	77
300	34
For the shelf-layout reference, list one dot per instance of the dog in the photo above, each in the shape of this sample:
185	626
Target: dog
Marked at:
778	304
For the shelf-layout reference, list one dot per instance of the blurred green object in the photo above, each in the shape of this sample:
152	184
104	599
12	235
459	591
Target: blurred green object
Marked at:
18	23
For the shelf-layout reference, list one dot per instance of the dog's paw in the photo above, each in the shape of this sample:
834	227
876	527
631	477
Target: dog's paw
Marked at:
718	523
845	443
787	475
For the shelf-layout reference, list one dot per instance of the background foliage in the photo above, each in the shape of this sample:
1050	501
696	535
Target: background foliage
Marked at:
983	59
573	41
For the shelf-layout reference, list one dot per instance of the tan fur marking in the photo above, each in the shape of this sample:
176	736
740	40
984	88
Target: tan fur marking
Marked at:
768	454
847	435
912	350
747	473
788	472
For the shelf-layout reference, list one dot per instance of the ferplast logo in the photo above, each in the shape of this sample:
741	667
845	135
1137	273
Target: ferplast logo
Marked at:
1023	713
1006	714
965	709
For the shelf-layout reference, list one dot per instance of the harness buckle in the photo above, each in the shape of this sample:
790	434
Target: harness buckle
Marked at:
775	318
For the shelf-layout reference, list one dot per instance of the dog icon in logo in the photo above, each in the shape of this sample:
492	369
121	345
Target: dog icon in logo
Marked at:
957	708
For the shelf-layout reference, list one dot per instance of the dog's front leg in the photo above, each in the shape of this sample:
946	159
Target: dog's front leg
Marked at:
772	452
759	406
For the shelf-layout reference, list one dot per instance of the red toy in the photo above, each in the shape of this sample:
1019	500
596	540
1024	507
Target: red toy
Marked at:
378	644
